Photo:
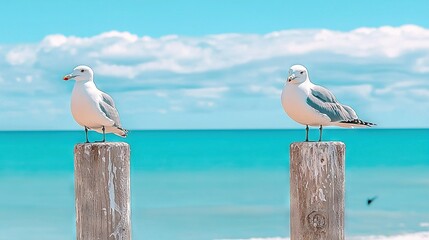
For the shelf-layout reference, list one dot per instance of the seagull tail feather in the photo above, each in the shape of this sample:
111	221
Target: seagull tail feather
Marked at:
355	123
121	132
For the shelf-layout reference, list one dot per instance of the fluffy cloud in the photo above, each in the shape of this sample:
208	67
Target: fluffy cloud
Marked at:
369	68
22	55
137	55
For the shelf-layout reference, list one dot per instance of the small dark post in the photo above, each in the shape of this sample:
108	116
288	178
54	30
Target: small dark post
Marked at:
317	190
102	188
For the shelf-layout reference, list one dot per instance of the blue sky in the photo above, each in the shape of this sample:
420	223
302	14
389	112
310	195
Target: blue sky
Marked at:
25	22
213	64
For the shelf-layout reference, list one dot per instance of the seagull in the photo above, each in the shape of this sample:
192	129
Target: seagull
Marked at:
313	105
92	108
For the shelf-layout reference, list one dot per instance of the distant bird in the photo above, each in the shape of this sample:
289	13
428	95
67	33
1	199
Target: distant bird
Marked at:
313	105
370	200
92	108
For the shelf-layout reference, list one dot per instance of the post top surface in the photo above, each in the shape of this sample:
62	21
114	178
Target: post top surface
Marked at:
103	144
317	144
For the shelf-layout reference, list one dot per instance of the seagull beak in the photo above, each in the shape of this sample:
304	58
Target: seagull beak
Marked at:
291	77
68	77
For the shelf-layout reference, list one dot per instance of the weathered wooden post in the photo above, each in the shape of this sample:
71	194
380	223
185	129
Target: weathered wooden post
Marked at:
102	188
317	190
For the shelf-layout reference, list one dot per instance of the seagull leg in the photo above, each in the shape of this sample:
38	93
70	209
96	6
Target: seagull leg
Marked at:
86	134
306	133
320	131
104	134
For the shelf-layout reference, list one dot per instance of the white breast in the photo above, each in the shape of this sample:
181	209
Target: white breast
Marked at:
294	101
85	106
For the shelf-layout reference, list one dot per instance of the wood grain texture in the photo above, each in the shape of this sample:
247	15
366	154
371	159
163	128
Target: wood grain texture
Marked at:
102	188
317	190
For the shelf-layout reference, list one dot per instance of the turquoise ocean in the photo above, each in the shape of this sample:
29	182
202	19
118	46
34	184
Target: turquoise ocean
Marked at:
216	184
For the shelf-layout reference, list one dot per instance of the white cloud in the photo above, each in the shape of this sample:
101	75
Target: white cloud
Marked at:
54	41
198	54
422	64
368	68
21	55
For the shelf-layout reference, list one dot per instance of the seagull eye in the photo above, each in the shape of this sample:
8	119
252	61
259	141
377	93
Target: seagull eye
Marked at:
302	72
82	70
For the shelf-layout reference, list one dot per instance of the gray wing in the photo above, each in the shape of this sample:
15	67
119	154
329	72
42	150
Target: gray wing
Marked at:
108	107
351	112
325	102
107	99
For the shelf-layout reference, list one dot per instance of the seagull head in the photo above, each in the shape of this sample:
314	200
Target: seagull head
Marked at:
80	73
297	74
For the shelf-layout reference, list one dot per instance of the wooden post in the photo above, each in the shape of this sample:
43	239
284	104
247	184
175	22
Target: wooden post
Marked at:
102	187
317	190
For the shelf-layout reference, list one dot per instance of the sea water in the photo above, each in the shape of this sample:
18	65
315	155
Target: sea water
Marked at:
217	184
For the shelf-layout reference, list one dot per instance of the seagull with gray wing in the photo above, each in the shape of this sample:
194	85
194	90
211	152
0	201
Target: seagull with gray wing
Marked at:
92	108
313	105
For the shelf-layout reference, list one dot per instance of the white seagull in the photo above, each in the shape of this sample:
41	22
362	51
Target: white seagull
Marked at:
313	105
92	108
